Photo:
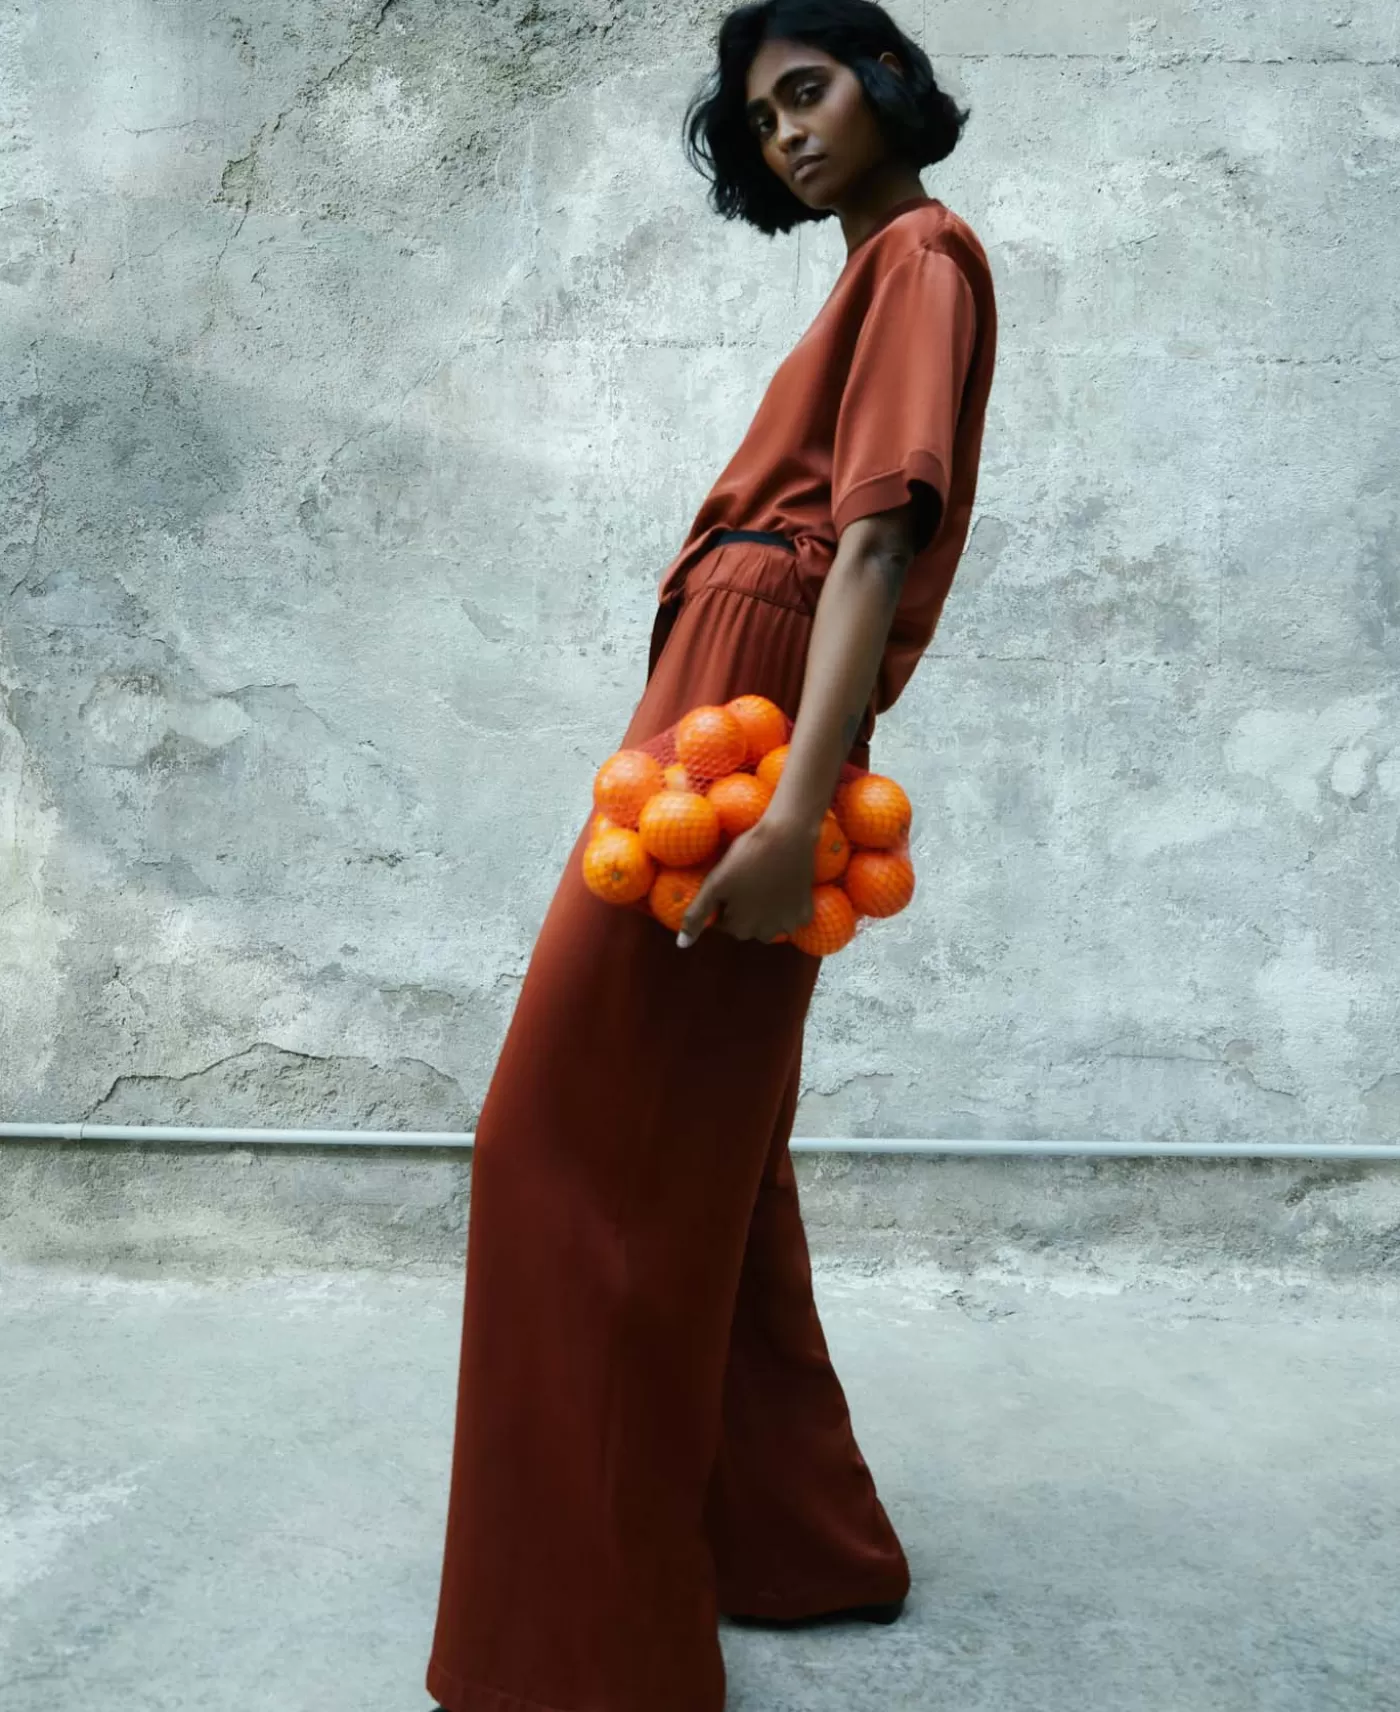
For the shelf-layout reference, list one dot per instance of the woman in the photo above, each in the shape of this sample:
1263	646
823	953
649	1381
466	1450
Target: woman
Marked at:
649	1431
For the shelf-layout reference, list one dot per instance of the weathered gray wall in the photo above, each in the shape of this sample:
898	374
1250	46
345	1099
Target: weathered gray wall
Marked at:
363	365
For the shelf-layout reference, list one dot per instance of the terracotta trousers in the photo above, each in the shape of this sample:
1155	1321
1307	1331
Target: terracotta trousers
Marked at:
649	1431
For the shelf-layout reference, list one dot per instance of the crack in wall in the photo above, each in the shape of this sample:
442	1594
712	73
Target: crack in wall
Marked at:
267	1064
1204	1058
39	477
232	180
434	367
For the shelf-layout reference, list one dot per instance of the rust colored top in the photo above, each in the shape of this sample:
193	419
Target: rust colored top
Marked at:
887	387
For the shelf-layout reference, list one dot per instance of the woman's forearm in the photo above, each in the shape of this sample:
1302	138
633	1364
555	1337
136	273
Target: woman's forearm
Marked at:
849	631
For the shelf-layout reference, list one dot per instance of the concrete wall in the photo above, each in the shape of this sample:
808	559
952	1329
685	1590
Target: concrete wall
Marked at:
364	362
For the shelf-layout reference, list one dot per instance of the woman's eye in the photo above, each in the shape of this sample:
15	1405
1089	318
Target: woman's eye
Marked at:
812	89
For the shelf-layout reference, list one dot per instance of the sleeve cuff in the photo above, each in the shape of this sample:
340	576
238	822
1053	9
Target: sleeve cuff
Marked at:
891	489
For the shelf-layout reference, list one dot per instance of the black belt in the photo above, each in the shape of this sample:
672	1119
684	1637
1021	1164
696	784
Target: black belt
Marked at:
770	535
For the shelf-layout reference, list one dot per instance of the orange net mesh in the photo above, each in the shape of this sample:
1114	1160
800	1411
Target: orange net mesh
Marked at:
665	812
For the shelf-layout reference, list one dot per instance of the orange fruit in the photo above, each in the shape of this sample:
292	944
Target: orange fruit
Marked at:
739	800
677	779
874	811
624	782
710	742
616	868
833	923
600	823
770	765
672	894
764	722
680	828
833	850
879	882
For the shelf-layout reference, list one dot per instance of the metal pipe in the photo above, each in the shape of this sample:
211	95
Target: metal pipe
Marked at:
799	1144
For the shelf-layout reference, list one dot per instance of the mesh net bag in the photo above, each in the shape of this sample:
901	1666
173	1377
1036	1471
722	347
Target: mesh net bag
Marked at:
665	811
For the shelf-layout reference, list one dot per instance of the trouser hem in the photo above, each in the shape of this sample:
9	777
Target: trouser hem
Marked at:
458	1694
812	1601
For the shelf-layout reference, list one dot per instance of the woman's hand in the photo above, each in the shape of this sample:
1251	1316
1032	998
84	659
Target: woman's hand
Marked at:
760	887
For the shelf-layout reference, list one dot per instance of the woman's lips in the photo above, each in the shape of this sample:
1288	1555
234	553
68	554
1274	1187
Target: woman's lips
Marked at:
804	167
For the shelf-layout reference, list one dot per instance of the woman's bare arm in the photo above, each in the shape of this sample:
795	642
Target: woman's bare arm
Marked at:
762	885
849	632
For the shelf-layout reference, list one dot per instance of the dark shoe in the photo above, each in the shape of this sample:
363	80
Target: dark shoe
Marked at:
849	1614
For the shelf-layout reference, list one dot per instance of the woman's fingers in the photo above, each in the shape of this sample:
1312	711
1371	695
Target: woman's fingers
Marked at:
703	907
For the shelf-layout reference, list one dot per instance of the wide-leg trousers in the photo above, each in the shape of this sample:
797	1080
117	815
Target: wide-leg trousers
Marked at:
649	1430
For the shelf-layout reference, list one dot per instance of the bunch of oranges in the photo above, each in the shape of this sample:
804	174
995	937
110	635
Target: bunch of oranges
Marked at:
665	812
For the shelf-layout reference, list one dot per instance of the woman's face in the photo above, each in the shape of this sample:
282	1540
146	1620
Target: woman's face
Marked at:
802	103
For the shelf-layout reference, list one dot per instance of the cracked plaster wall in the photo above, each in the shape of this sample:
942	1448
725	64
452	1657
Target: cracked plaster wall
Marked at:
362	363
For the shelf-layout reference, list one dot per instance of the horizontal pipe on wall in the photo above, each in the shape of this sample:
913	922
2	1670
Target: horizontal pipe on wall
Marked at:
799	1144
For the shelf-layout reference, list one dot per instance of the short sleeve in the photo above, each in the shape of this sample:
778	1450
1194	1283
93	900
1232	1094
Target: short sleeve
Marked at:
898	415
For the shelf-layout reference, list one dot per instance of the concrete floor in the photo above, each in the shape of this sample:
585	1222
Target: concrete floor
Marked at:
1137	1497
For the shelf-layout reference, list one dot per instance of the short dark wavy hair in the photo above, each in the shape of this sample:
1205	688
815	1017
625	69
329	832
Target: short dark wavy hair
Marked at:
921	121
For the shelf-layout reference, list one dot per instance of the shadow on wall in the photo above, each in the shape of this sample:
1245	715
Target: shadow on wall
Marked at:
132	482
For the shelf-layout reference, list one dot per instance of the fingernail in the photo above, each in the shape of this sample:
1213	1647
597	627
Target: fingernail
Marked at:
684	940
